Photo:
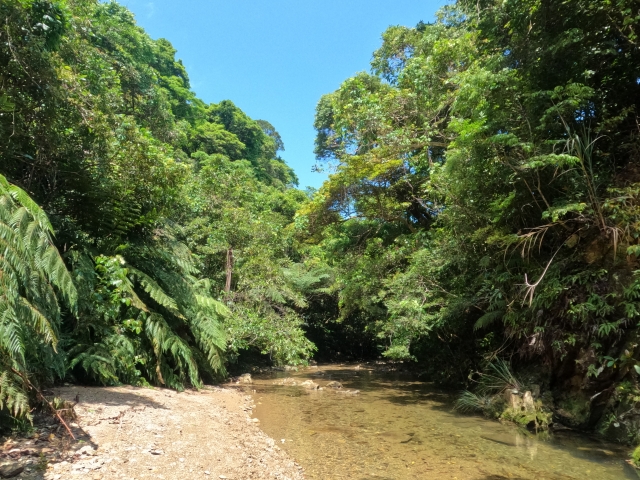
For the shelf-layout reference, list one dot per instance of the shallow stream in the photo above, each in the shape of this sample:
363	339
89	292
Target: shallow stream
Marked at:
398	428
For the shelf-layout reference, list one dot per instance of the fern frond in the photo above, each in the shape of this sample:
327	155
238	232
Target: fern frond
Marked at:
165	341
13	396
488	318
21	197
211	339
156	292
39	321
32	275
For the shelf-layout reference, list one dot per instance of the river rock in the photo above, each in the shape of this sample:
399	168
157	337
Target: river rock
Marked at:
348	392
11	470
86	450
333	384
310	385
289	381
567	418
527	401
535	391
245	378
501	439
513	399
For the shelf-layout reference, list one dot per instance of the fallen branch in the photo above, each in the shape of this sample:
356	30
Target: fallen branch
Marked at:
41	395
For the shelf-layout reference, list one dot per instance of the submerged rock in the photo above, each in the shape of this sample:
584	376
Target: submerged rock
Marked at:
310	385
245	378
502	440
348	392
289	381
333	384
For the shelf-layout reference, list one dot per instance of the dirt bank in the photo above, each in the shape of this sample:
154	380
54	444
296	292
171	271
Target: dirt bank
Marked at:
136	433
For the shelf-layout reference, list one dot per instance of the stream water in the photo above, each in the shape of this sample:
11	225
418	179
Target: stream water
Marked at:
398	428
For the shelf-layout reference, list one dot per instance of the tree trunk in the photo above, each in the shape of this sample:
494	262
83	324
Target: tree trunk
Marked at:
227	286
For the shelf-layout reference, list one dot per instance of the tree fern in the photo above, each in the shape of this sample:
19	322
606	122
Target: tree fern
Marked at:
155	291
170	323
32	276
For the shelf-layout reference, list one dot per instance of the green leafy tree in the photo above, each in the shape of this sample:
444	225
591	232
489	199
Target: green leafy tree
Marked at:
472	205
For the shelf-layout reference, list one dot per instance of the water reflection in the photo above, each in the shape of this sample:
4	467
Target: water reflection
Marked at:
401	429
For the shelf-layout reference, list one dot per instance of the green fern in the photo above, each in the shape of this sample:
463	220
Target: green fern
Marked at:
148	317
32	277
488	319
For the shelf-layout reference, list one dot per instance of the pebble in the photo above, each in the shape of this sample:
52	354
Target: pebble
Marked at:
86	450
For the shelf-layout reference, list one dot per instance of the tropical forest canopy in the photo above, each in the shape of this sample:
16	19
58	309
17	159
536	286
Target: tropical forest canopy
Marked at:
484	201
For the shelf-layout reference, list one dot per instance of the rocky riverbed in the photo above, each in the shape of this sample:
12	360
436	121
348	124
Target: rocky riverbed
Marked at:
144	433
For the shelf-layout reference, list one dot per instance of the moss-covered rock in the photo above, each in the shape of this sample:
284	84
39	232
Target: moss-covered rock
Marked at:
635	457
573	410
533	416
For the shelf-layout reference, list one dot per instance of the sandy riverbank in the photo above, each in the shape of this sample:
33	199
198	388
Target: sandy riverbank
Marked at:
144	433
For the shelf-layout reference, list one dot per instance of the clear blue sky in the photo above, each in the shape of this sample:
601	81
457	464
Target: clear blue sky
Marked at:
276	58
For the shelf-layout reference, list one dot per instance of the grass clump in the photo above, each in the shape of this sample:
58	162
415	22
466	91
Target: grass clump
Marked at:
501	395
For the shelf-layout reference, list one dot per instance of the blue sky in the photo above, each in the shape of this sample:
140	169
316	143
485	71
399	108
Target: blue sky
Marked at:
276	58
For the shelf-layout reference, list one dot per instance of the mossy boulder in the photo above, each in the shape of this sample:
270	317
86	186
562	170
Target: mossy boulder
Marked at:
536	418
573	411
635	458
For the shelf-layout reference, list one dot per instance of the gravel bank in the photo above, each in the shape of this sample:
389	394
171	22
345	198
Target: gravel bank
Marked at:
139	433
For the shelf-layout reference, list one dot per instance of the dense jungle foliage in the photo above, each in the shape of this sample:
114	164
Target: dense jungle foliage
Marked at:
485	198
484	203
172	216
